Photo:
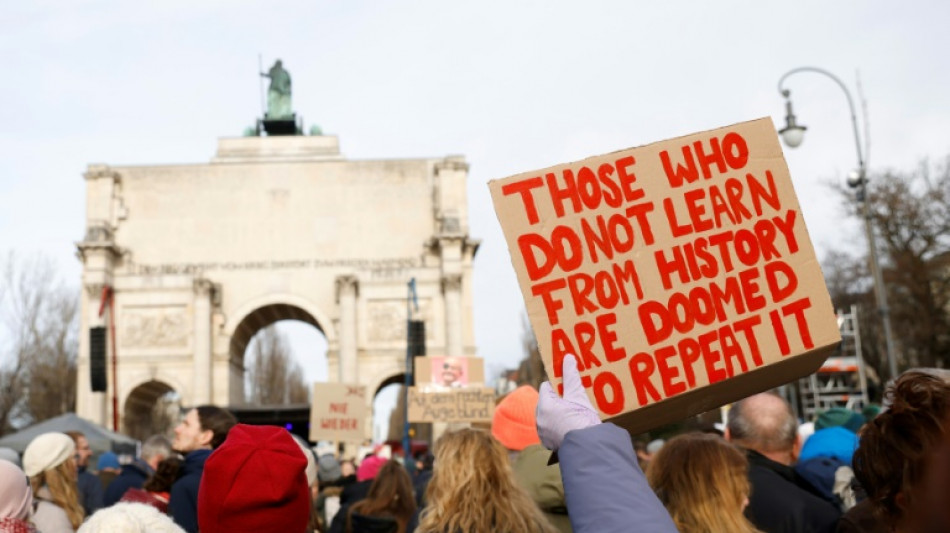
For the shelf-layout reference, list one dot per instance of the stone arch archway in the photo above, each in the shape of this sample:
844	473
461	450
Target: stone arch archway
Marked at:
151	407
254	322
201	256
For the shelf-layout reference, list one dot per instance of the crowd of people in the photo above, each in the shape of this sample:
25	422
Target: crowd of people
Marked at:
885	471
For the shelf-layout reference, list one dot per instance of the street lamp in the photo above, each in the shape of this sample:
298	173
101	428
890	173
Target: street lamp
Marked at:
793	134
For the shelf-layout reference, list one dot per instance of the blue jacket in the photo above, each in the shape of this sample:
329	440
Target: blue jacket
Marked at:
183	502
133	475
604	487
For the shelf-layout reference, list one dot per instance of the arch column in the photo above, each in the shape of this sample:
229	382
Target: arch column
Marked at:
202	337
347	290
452	291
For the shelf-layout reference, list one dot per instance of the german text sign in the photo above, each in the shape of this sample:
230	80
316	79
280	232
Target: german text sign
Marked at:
471	404
680	273
338	412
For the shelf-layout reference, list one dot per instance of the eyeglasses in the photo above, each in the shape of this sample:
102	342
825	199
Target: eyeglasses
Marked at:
447	366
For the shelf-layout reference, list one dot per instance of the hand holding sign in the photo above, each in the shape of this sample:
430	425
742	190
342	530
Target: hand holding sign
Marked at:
557	416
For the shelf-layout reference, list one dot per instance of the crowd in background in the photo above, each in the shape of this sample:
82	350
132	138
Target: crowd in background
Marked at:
876	471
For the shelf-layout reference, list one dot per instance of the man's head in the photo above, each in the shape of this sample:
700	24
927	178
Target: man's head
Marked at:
513	423
83	451
766	424
451	371
203	428
154	449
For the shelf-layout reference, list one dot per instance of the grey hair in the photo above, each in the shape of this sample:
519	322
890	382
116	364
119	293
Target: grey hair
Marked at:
156	445
763	422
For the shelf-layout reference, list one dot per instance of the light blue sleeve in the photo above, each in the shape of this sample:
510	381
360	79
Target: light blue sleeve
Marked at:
604	487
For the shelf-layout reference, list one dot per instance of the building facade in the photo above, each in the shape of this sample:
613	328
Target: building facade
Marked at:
201	257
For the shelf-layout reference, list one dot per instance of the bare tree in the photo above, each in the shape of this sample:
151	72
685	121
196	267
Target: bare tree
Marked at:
274	377
911	214
37	376
531	370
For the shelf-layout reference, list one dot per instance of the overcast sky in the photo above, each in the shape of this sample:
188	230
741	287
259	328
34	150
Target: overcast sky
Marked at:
513	86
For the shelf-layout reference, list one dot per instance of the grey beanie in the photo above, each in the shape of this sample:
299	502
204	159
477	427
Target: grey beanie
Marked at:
329	468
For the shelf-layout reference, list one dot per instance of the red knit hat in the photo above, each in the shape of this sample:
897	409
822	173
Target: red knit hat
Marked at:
254	481
514	421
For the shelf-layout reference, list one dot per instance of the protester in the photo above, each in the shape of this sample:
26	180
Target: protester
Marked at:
156	490
365	474
474	489
347	470
903	461
703	482
49	461
604	487
313	483
781	500
154	450
389	506
255	481
16	500
513	424
107	469
422	476
329	469
90	488
130	518
333	476
203	429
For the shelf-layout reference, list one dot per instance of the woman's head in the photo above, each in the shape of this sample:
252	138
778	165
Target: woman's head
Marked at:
473	488
703	482
47	451
61	483
165	474
390	495
903	459
16	498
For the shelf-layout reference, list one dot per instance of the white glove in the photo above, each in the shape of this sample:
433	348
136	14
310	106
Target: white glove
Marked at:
557	416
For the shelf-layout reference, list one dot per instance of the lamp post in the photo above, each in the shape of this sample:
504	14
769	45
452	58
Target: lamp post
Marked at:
793	135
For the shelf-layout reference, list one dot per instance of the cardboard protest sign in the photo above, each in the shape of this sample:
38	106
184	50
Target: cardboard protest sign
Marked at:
680	273
450	371
338	412
472	404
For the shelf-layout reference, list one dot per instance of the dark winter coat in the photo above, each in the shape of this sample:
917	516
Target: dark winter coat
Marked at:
183	502
90	491
784	502
133	476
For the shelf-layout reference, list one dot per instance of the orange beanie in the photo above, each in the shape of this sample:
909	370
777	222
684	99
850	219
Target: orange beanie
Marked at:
514	421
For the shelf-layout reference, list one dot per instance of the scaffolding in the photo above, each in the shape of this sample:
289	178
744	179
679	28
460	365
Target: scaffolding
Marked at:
841	380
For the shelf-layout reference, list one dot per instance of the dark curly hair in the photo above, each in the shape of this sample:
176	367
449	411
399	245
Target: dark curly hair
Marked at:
896	445
165	475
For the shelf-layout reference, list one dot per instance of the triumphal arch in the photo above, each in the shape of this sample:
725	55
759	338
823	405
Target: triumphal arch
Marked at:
200	257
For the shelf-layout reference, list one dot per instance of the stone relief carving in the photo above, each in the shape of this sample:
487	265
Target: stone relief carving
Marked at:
451	282
98	232
154	328
387	320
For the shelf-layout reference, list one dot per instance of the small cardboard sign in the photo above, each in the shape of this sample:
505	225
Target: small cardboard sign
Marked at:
471	404
452	372
679	273
338	412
